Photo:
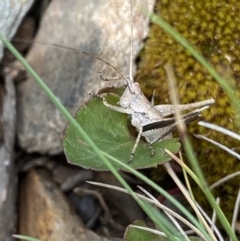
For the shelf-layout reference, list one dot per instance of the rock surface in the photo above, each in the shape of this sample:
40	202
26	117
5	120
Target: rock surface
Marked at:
44	212
99	27
8	178
12	13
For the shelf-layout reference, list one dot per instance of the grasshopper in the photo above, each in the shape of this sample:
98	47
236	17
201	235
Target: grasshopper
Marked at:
150	121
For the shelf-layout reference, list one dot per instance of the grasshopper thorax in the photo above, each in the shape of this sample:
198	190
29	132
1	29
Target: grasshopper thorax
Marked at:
130	94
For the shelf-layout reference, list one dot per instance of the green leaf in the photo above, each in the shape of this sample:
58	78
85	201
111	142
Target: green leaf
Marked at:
133	234
109	131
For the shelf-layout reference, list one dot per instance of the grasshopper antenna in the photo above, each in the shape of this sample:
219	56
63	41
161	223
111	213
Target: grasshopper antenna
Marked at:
96	57
18	40
131	81
131	47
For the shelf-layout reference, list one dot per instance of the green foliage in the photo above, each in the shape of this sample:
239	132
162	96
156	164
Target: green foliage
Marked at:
132	234
212	27
109	131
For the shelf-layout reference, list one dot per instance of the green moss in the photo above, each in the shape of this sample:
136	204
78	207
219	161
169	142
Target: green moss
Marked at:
213	27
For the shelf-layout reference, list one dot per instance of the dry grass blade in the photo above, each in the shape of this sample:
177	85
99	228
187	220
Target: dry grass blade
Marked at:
236	209
157	204
225	179
220	129
213	226
233	153
173	93
177	225
186	178
191	202
214	215
185	167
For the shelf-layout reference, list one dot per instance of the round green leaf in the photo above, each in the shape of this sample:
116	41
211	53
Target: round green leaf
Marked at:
109	131
133	234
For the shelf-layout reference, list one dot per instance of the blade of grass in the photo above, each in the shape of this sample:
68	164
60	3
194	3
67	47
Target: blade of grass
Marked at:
172	229
220	146
220	129
236	211
225	179
188	185
195	178
174	221
179	38
173	175
25	237
213	226
191	156
184	166
203	185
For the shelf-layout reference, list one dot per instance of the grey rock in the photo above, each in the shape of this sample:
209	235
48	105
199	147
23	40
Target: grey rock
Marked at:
98	27
11	15
8	177
45	213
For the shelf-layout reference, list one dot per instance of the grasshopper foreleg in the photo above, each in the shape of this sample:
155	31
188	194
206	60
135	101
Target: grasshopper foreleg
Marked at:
113	107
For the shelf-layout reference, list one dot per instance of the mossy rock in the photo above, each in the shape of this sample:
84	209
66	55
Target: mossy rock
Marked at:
213	28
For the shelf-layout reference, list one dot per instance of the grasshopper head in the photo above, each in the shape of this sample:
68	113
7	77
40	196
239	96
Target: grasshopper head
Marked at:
130	94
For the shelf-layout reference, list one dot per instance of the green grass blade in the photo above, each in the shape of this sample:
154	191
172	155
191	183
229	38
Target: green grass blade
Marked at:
25	238
178	37
204	187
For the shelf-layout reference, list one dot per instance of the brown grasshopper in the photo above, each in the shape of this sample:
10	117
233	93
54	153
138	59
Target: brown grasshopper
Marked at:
149	120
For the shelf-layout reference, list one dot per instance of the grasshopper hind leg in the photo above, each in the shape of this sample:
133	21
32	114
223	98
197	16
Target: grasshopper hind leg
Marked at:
152	149
136	144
